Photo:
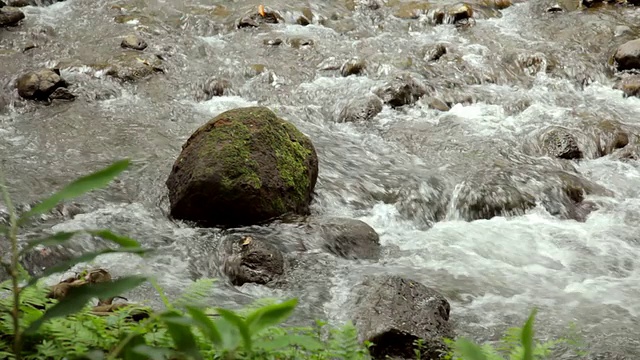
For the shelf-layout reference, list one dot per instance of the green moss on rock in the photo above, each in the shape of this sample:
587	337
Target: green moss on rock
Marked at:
243	167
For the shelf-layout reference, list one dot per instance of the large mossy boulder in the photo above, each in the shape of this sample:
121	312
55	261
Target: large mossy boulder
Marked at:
244	167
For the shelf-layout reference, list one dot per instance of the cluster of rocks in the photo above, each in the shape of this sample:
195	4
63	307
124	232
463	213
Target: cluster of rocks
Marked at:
48	85
247	166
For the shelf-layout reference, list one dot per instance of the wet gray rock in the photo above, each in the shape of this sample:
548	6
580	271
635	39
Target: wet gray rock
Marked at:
627	56
353	67
486	194
438	104
39	84
251	260
350	239
212	87
628	153
360	109
611	135
402	90
10	16
561	143
39	259
133	42
393	312
630	85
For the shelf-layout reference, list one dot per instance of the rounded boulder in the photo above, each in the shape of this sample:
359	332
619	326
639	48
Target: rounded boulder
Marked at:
244	167
627	56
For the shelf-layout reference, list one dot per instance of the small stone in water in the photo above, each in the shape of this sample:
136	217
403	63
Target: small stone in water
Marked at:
555	8
438	104
133	42
298	42
302	20
272	42
29	46
621	30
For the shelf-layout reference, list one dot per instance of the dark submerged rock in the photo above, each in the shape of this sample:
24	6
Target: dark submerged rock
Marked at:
39	84
459	12
556	8
130	66
627	56
393	312
628	153
609	136
350	239
36	260
512	191
630	85
10	16
262	15
353	67
251	260
244	167
591	3
212	87
21	3
360	109
561	143
133	42
435	52
404	89
62	94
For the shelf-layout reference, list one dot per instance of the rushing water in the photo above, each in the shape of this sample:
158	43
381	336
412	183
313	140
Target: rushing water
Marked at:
408	172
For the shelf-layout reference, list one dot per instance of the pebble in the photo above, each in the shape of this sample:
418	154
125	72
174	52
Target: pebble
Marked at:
133	42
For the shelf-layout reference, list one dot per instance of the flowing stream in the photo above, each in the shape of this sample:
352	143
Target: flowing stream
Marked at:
407	172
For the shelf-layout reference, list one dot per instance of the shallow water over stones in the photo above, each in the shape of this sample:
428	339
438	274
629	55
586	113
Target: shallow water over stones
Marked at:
466	196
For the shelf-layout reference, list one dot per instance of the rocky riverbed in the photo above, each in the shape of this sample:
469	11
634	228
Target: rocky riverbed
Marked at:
445	166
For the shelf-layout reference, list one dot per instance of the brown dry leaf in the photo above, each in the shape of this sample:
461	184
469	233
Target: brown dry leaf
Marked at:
247	241
261	10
